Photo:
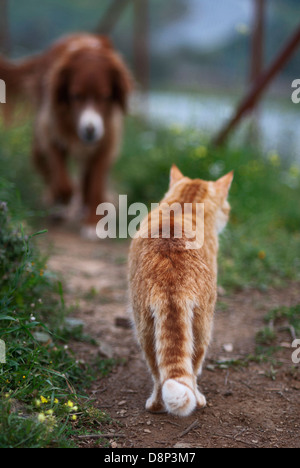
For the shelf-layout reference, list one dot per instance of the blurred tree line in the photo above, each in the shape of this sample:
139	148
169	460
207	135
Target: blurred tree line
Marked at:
34	24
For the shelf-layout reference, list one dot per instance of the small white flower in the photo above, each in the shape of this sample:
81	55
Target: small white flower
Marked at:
41	417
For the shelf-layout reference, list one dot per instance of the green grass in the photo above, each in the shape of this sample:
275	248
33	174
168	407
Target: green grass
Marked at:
43	399
279	320
261	245
20	187
288	316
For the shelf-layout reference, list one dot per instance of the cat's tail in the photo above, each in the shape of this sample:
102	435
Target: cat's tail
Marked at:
174	353
178	398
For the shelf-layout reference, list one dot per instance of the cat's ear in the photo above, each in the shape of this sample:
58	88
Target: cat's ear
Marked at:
175	175
223	185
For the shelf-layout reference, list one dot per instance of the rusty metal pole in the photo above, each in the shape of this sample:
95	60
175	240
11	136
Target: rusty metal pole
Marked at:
141	44
250	101
257	60
112	16
257	55
4	28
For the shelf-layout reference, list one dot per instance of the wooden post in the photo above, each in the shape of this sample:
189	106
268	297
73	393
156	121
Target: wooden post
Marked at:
141	44
112	16
257	60
257	55
250	101
4	29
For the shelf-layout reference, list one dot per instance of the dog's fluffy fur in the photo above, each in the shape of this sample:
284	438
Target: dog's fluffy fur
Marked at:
79	89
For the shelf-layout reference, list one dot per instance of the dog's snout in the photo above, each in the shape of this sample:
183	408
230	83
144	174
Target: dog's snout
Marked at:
90	132
91	127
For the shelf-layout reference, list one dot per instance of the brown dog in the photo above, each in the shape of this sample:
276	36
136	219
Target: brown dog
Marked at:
79	88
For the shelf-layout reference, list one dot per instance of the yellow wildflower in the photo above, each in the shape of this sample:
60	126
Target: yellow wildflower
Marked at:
176	129
243	29
262	255
274	158
294	171
201	152
44	400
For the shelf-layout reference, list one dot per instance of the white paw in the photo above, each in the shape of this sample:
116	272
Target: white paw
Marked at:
201	400
150	402
179	399
76	211
153	405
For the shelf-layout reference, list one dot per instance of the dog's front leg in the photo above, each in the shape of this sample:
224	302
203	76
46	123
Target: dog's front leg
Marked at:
94	188
94	192
59	181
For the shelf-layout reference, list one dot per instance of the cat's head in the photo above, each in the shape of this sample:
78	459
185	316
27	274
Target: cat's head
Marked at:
214	195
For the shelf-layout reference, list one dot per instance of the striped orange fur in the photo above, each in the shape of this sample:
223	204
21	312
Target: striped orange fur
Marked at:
173	294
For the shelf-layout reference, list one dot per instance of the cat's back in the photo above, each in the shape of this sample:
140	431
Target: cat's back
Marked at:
167	264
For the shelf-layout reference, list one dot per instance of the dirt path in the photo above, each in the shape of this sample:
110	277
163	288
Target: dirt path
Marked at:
246	407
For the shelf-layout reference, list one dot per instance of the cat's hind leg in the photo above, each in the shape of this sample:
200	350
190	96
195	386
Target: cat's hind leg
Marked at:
202	334
201	400
197	365
155	404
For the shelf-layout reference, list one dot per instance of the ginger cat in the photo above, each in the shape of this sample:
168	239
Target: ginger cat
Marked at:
173	291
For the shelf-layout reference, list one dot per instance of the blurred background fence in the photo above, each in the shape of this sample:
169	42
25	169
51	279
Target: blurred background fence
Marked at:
196	60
